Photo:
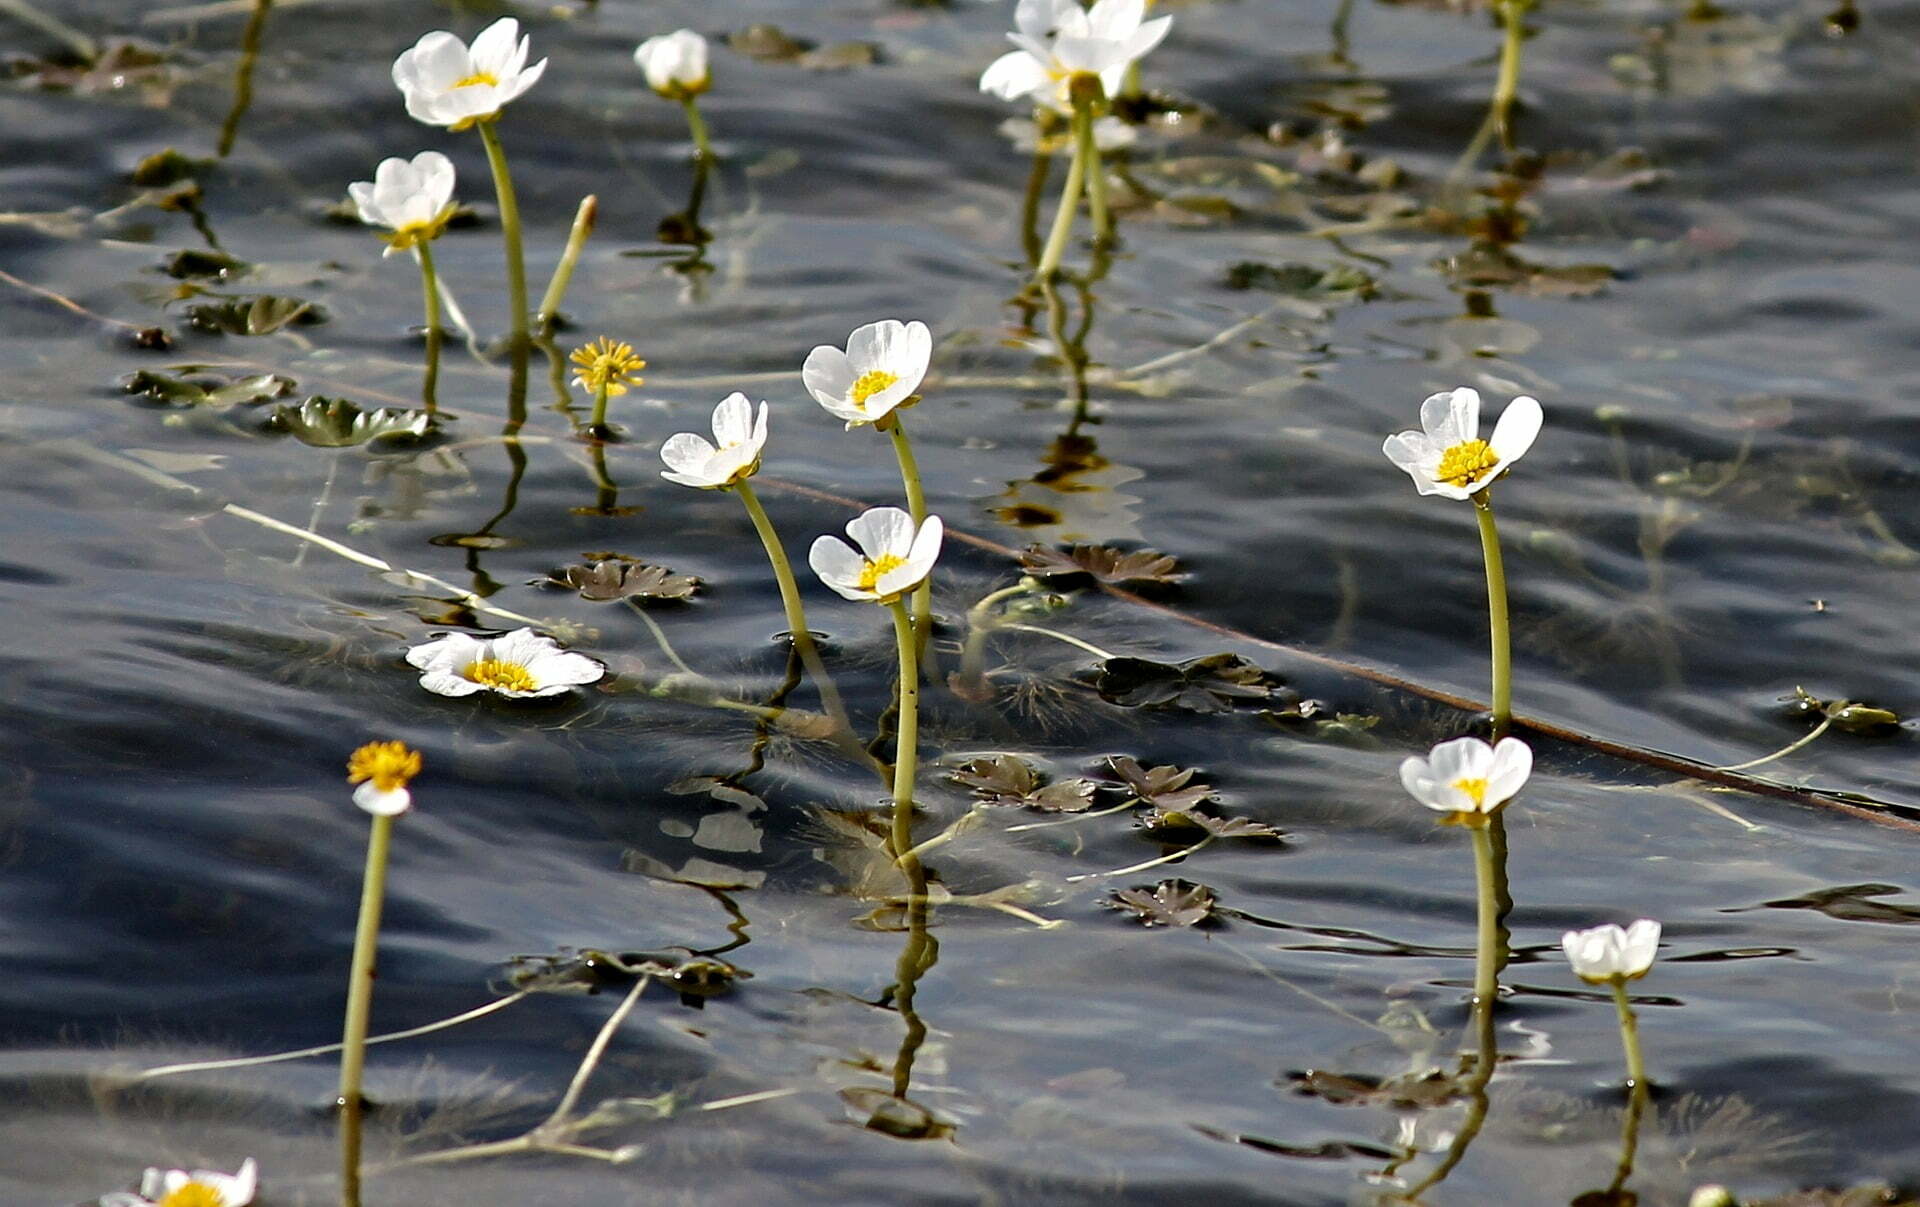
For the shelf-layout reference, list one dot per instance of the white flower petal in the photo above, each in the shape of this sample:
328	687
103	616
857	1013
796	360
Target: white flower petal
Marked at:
879	531
838	566
390	803
828	375
448	681
1451	417
1514	434
454	647
686	453
1416	776
493	48
732	421
1511	764
563	668
1014	75
521	647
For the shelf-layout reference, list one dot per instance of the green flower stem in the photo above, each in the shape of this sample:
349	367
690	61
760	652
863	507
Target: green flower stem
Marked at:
980	625
510	229
1507	85
1636	1086
430	288
1486	952
697	126
917	508
1087	148
353	1043
1069	203
1502	643
906	739
796	612
598	423
1130	85
583	220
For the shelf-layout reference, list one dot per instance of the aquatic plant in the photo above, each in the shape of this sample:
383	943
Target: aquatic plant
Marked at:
196	1188
676	67
607	368
522	665
1608	955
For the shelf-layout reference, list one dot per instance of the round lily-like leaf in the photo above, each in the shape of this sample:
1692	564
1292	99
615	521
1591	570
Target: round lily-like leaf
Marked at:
324	422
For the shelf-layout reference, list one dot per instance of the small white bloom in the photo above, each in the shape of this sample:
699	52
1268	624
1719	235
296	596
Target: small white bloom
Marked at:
1608	953
1448	457
892	559
446	83
1059	40
675	64
881	368
413	199
1468	776
203	1188
735	453
522	664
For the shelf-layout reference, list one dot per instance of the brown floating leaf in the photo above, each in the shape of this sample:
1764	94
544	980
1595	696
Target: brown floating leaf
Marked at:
613	579
1008	781
1163	787
1405	1092
1103	563
1169	903
1213	684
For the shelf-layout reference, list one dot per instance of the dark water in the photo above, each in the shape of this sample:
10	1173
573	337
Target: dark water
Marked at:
1718	510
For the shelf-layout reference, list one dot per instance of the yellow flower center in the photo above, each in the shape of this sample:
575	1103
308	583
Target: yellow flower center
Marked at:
389	765
609	365
1476	791
871	382
477	78
506	676
1465	461
197	1194
872	572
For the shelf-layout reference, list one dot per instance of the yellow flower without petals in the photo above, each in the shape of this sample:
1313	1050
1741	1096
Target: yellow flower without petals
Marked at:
389	765
607	364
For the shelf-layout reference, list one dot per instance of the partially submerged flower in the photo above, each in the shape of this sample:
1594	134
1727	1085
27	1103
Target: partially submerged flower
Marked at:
675	64
607	363
892	558
1059	40
735	453
881	368
446	83
521	665
1447	457
411	198
383	770
1608	953
1466	778
199	1188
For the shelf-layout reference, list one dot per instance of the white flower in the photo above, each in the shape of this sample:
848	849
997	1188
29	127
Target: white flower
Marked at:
893	559
675	64
1468	776
1059	40
203	1188
735	454
1448	457
413	199
448	84
1608	953
881	368
521	664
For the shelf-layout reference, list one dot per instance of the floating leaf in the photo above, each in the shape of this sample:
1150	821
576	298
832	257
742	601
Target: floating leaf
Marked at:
324	422
195	386
1008	781
1853	903
1169	903
1233	827
195	263
163	169
694	976
622	578
1487	265
1857	1196
902	1118
1341	283
261	315
1213	684
1850	715
1167	787
1409	1091
767	43
1103	563
120	67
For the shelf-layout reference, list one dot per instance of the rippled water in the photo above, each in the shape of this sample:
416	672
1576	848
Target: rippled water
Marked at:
1718	511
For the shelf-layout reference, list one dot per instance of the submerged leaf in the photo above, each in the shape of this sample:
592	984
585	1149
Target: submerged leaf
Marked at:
194	263
194	386
1169	903
1409	1091
1008	781
1213	684
1340	283
1103	563
261	315
323	422
622	578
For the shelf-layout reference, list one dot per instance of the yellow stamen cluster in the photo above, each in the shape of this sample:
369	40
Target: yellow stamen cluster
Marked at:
199	1194
406	237
607	364
477	78
871	382
389	765
1476	790
1465	462
507	676
872	572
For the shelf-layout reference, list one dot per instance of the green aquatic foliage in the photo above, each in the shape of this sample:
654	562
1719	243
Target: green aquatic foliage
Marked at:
1217	683
199	386
1008	781
1172	902
1336	283
324	422
262	314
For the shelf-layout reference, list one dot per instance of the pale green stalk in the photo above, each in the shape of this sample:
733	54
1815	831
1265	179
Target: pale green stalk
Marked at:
430	288
1499	635
697	126
583	220
906	756
601	393
1088	148
1056	247
790	601
1636	1084
353	1043
1507	86
917	508
1486	951
510	230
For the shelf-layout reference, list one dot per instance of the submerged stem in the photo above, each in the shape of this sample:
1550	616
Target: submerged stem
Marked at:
1500	637
353	1042
510	231
1636	1084
906	739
